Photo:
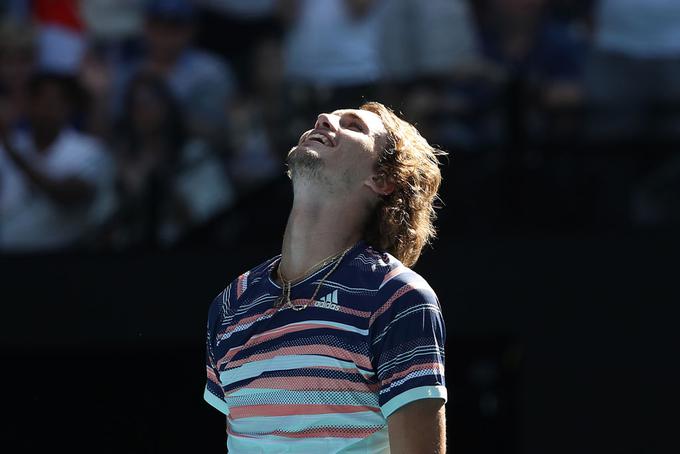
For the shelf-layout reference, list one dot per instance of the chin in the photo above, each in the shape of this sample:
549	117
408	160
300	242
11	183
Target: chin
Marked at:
303	152
303	158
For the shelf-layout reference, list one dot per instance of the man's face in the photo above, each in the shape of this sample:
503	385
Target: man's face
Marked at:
49	107
167	39
340	152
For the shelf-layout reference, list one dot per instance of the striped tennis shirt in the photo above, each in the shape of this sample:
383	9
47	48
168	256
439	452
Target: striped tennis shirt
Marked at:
323	379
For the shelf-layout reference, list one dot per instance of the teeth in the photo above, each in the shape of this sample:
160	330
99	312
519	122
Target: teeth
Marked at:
324	140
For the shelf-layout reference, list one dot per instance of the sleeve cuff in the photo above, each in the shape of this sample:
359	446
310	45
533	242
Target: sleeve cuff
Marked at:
215	401
421	392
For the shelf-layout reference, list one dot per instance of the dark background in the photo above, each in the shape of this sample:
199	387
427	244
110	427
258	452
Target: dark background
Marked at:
555	343
560	297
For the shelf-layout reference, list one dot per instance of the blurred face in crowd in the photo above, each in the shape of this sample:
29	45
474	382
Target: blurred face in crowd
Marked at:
49	107
16	66
167	39
340	153
17	54
518	8
267	66
147	110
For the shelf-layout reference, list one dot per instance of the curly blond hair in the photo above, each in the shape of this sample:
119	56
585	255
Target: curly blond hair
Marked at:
402	222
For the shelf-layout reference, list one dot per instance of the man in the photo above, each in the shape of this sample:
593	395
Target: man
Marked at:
336	345
56	184
202	83
632	75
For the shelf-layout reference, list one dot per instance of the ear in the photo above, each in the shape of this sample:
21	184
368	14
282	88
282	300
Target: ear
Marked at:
380	184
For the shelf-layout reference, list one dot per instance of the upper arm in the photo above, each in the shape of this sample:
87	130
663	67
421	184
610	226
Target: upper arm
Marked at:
407	337
407	343
213	393
418	427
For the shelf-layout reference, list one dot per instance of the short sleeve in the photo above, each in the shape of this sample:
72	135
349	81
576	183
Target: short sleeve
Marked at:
213	393
407	335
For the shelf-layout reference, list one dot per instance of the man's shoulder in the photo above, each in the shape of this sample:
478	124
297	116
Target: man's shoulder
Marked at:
386	272
254	274
232	293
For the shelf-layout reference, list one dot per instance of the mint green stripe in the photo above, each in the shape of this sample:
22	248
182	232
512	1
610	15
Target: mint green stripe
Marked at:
284	362
215	401
421	392
342	326
298	422
316	397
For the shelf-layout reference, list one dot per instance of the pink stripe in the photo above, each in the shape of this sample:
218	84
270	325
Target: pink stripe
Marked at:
357	312
266	336
321	349
395	272
250	411
242	284
211	375
273	334
403	290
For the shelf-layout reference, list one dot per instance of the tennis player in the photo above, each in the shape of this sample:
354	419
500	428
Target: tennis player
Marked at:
336	345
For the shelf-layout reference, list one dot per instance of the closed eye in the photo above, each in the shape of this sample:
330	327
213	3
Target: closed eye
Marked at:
353	122
355	125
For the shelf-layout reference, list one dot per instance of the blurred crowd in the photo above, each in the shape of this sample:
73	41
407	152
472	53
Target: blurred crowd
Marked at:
131	124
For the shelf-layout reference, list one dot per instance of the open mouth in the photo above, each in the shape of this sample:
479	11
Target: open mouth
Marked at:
321	138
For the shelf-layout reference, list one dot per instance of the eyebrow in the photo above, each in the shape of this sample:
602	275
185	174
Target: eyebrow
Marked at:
353	115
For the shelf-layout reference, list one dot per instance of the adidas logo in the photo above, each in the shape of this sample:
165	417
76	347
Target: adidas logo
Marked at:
329	301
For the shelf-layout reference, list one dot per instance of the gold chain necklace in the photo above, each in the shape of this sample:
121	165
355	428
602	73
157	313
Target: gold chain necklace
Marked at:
285	294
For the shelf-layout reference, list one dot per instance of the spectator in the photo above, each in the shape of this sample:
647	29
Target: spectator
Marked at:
429	68
441	38
17	64
250	21
61	37
114	27
56	183
168	183
259	121
633	76
520	36
113	20
541	59
202	83
332	52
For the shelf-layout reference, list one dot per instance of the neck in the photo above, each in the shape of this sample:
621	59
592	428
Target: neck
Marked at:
317	229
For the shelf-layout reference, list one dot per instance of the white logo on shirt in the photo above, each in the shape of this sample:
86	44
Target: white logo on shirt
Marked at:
329	301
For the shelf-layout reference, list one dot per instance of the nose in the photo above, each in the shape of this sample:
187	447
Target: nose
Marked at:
325	121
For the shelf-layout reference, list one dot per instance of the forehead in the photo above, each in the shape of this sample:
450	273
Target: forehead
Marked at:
371	119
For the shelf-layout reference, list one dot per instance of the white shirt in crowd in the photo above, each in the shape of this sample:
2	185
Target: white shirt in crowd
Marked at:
113	19
430	37
327	46
29	219
204	188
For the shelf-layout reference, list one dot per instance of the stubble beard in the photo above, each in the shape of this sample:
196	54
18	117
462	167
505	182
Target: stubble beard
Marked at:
304	165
